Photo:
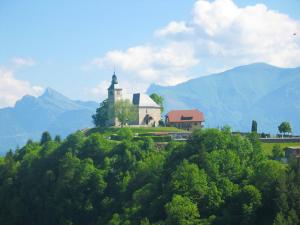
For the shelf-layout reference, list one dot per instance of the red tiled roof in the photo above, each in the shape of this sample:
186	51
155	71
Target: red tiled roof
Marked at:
179	116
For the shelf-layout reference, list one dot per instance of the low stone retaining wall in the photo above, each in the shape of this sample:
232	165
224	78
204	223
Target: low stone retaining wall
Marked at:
182	136
279	140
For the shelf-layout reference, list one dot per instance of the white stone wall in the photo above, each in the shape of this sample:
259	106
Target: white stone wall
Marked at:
114	95
154	112
118	94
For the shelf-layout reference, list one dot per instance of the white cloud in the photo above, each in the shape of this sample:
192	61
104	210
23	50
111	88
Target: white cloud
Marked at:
174	27
19	61
218	35
12	89
249	34
215	16
100	90
165	65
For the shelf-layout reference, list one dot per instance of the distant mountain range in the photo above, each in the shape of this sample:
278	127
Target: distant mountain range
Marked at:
51	112
235	97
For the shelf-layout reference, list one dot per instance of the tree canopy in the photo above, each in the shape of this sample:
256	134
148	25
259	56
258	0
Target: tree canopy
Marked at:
46	137
125	112
159	100
100	118
214	178
285	127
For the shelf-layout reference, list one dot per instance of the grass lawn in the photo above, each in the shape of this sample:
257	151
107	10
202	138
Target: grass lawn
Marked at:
140	130
155	129
267	147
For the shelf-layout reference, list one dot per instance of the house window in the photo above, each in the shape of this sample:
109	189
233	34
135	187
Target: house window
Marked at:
186	117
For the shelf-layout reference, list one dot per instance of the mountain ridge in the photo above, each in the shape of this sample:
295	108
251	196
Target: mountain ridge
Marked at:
231	97
258	91
51	111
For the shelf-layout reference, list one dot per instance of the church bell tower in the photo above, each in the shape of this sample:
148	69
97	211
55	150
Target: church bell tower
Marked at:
114	95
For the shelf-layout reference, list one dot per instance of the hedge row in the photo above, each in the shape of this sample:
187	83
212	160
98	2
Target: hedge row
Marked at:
154	138
164	138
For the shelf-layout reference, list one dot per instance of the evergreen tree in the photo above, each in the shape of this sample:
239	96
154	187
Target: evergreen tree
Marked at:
280	220
254	126
57	139
46	137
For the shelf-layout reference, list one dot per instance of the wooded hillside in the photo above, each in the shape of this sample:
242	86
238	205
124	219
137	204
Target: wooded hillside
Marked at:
214	178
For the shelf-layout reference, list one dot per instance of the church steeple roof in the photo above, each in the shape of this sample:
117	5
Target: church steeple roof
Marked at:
114	79
114	82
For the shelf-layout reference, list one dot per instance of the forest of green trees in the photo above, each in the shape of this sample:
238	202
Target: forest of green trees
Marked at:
214	178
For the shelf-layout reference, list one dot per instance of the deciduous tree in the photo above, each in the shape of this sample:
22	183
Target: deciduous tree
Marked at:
159	100
101	117
182	211
285	127
125	112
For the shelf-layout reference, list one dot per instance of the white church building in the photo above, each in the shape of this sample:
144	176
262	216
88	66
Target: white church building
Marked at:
149	113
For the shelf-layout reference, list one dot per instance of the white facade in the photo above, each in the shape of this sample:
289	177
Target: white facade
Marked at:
149	113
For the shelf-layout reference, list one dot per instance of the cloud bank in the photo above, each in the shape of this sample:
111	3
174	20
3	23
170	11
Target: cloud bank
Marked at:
12	89
218	35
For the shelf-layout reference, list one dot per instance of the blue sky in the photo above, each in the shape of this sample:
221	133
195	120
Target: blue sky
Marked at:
72	46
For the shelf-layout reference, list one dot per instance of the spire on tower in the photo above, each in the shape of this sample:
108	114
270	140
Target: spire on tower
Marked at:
114	79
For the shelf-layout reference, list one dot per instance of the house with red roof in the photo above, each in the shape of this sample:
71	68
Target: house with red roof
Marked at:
185	119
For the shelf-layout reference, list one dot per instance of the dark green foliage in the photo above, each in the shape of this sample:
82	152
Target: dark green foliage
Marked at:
128	135
125	133
101	117
264	135
57	139
46	137
188	180
287	196
161	123
159	100
165	138
182	211
254	126
285	127
277	152
215	178
29	142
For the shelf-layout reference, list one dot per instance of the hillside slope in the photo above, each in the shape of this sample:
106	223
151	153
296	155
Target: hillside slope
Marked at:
91	180
259	91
